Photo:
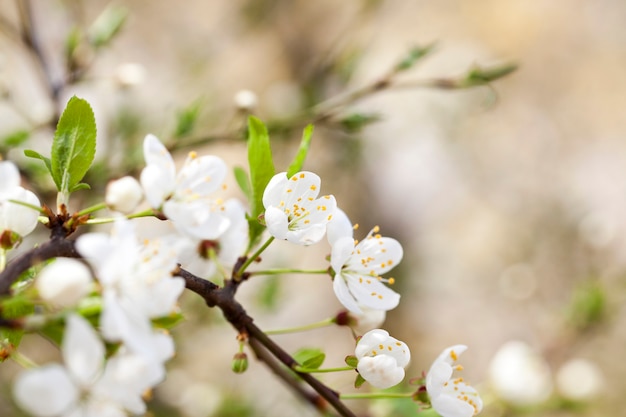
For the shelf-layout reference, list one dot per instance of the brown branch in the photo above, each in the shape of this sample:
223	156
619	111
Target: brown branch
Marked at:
54	248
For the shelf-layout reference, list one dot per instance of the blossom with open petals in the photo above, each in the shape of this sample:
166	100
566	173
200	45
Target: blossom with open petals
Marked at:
185	198
293	211
451	397
358	270
382	358
136	281
196	256
15	218
87	385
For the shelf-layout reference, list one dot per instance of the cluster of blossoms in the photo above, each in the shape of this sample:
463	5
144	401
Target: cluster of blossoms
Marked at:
134	280
295	213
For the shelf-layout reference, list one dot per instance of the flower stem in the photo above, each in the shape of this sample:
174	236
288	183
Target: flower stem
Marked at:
321	371
375	395
279	271
91	209
31	206
254	256
324	323
103	220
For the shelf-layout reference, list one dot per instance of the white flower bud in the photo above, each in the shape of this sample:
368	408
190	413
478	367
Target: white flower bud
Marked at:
382	358
520	375
130	74
579	379
124	194
64	282
246	100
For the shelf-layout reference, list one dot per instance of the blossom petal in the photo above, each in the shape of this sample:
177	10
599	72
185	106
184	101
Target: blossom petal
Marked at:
371	293
340	253
196	219
10	177
277	222
343	295
83	351
381	371
377	255
275	189
200	176
16	217
449	406
46	391
338	227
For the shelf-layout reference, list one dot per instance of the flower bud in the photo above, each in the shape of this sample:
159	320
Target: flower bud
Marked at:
240	363
246	100
64	282
124	194
368	319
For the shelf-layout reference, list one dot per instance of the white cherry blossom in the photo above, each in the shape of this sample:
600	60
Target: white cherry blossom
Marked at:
194	253
87	385
136	282
451	397
185	198
292	210
15	218
358	268
367	320
382	358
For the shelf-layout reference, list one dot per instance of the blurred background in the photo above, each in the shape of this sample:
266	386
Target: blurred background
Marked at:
508	199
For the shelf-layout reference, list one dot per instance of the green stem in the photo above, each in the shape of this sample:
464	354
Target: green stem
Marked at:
31	206
103	220
321	371
279	271
18	357
324	323
375	395
254	256
93	208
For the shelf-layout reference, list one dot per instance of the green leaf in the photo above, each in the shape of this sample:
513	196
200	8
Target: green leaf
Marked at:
261	171
359	381
481	75
107	25
80	186
12	308
36	155
241	176
310	358
355	122
415	54
352	361
186	119
74	145
15	139
305	144
169	321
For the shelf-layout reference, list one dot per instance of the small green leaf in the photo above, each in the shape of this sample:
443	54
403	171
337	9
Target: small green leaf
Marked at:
355	122
107	25
415	54
36	155
168	321
186	119
352	361
305	143
359	381
13	308
241	176
310	358
269	293
80	186
74	145
15	139
261	172
480	75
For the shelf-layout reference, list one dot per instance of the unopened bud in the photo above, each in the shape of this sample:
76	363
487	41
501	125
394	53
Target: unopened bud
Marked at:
240	363
64	282
124	194
130	74
246	100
